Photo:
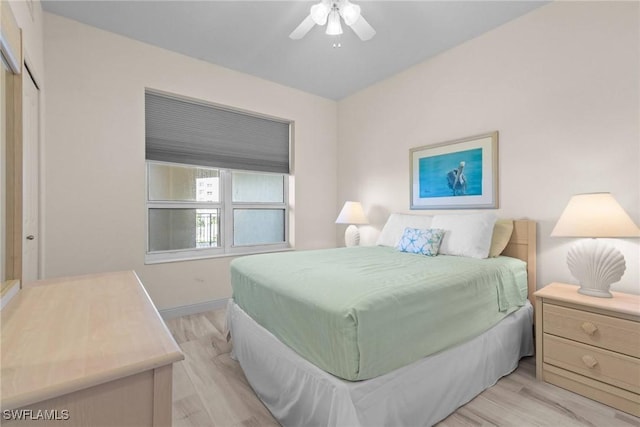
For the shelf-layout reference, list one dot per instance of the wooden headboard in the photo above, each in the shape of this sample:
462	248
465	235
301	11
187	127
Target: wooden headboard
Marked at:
522	245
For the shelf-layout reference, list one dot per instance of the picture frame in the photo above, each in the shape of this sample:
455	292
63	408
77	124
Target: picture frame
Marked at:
459	174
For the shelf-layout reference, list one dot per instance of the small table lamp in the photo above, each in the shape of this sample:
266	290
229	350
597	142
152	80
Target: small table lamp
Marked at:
595	263
352	213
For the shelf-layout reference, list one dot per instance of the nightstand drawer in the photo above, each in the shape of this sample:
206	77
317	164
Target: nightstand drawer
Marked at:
602	365
612	333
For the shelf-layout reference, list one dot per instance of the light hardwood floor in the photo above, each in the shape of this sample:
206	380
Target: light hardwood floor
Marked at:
209	389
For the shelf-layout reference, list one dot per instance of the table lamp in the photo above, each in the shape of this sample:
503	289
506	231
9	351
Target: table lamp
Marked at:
352	213
595	263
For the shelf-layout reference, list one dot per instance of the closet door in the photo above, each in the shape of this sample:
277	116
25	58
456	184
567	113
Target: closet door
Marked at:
10	149
4	71
31	178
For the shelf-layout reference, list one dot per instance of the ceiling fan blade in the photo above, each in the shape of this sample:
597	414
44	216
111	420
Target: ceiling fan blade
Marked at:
302	29
363	29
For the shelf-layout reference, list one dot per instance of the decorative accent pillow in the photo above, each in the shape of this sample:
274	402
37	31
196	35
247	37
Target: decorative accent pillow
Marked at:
395	225
501	234
418	241
466	235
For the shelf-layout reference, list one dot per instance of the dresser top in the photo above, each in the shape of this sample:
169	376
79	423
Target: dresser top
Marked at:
67	334
620	303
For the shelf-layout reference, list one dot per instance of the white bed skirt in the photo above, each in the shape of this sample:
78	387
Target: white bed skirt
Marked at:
300	394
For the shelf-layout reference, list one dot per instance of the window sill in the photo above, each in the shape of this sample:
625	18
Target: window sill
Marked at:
162	258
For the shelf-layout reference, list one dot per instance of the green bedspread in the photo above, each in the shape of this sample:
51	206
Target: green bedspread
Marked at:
362	312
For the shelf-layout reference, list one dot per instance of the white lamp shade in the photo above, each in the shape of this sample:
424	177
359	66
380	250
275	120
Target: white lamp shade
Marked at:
350	13
594	215
352	213
319	13
334	28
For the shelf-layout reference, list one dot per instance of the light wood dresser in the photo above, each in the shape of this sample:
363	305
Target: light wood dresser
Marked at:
86	351
590	345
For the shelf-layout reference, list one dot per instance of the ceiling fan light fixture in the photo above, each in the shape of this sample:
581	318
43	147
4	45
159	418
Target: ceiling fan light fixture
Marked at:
319	13
334	28
331	13
350	13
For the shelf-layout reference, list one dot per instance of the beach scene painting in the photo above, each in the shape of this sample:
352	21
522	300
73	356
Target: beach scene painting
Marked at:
456	174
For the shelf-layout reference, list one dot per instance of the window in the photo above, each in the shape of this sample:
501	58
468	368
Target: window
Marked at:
204	199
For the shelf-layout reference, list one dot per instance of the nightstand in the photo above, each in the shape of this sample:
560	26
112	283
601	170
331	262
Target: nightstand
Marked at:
590	345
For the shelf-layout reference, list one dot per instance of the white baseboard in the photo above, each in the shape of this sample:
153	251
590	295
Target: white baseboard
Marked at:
186	310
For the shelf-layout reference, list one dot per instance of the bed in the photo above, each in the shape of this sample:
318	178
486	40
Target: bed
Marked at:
347	348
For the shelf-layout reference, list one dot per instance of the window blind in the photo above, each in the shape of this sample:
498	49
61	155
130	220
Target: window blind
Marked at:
185	131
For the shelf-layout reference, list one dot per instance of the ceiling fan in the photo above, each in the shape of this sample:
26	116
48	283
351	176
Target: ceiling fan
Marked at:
329	12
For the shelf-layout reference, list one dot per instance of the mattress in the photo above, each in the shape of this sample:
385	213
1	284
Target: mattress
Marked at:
361	312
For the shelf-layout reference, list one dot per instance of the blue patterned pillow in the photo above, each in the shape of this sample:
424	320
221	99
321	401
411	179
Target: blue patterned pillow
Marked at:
417	241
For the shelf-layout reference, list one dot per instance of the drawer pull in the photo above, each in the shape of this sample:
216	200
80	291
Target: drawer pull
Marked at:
590	361
589	328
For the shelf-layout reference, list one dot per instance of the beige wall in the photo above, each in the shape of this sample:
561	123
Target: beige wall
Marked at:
95	169
561	86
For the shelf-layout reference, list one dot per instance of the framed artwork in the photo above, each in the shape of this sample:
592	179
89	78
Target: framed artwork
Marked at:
460	174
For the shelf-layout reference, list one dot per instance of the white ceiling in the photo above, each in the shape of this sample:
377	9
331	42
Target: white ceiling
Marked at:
252	36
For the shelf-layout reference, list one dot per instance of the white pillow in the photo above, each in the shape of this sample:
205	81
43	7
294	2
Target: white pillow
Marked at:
395	225
466	235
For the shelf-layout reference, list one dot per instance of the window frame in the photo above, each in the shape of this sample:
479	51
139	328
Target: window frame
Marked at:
225	208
